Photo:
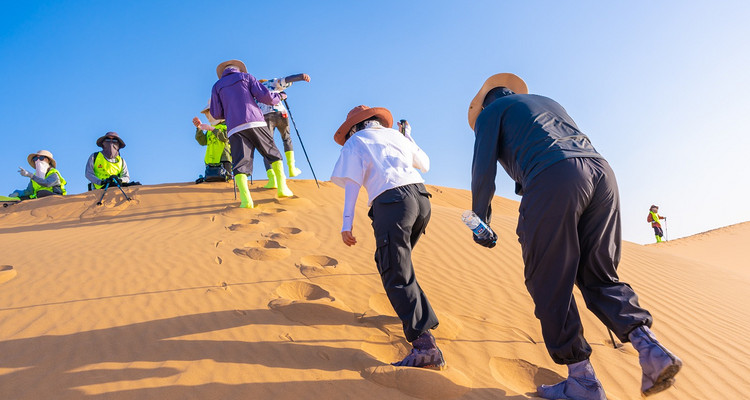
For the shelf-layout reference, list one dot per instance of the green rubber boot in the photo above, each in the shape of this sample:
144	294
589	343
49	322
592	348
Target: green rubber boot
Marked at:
246	201
271	180
293	171
283	190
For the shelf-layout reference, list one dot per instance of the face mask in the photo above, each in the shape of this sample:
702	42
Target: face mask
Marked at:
110	149
41	166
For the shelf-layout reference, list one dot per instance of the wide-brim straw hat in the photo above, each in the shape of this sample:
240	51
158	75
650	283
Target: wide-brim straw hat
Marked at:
110	135
237	63
359	114
45	153
508	80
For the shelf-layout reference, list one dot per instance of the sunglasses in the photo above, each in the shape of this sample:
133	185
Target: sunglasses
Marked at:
110	140
38	158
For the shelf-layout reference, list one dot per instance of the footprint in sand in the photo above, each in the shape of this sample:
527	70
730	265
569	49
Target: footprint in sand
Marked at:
417	382
264	250
301	239
247	225
275	212
382	316
297	202
521	376
221	287
7	272
324	269
310	304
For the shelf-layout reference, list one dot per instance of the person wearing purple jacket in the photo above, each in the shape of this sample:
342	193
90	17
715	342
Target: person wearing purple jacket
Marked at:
233	98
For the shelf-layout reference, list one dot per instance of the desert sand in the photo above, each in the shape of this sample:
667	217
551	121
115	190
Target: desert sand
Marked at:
179	294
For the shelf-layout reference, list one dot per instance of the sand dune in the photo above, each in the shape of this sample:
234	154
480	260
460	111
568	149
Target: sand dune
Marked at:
178	294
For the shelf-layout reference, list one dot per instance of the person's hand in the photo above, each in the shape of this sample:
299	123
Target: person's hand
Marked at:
348	238
488	243
25	173
115	179
282	95
15	194
205	127
306	77
406	128
196	121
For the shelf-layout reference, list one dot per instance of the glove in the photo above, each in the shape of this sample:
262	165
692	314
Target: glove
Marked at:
25	173
282	95
115	179
488	243
406	129
15	194
196	121
205	127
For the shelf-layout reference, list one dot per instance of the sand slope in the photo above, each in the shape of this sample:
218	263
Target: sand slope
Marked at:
179	294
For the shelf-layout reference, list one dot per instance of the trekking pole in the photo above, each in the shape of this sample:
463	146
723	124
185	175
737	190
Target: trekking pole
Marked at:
300	142
666	231
98	203
614	345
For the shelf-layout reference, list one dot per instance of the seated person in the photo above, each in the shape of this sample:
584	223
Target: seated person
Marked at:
107	165
44	181
218	156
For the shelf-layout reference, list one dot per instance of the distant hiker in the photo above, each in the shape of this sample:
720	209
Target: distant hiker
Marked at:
44	181
233	97
107	165
653	218
218	156
385	162
277	117
569	230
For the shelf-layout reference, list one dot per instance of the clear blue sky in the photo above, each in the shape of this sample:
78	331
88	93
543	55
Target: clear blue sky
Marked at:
661	88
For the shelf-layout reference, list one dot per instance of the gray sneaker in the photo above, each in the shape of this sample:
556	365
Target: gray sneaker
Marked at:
659	365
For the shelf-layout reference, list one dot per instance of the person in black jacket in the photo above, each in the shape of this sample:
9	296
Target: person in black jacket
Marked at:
569	230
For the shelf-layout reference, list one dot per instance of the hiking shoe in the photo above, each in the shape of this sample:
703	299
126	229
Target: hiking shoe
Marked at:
659	365
427	358
573	388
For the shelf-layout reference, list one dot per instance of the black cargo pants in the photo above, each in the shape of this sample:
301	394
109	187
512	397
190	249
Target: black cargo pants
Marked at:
570	234
399	217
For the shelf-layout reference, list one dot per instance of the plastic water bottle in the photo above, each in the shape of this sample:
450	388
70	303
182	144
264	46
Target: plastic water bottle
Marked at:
476	225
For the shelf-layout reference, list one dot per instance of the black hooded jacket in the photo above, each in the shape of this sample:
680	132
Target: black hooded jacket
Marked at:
526	133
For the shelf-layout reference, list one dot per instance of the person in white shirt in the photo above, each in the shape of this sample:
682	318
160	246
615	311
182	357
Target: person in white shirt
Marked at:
385	162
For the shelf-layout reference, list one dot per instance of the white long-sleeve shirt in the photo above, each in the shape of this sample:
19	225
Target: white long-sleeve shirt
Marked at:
379	159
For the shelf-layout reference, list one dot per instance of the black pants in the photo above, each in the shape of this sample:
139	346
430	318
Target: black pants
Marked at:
399	217
658	231
570	234
245	142
276	120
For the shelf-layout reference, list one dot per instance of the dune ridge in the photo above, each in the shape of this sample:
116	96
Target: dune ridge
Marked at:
179	294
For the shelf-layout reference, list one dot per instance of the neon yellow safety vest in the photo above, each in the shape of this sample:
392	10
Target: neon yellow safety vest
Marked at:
37	187
103	168
655	218
214	148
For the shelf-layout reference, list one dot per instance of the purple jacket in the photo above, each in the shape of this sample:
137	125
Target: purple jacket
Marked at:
233	98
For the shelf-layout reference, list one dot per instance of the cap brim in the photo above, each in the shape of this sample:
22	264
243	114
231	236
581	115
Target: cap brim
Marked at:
511	81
